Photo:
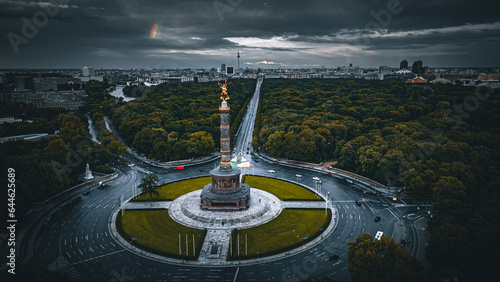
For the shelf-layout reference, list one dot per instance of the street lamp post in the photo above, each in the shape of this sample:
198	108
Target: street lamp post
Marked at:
326	202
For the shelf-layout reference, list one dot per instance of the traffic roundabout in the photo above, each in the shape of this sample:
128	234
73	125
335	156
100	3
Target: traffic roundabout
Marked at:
180	232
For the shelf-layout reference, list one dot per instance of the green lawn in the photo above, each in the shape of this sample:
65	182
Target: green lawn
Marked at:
158	232
289	228
172	191
280	189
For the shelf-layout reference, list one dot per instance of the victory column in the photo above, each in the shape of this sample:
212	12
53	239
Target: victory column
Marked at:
225	193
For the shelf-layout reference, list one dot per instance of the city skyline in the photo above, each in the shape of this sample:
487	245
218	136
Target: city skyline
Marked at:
267	34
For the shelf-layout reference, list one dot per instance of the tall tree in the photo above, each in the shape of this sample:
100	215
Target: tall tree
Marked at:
149	185
379	260
449	193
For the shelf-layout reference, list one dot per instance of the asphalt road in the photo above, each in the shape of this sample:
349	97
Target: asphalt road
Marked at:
76	239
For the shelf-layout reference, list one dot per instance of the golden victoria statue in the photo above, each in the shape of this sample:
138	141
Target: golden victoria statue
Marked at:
224	86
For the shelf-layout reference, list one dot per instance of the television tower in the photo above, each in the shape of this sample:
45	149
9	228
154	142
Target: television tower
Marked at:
238	60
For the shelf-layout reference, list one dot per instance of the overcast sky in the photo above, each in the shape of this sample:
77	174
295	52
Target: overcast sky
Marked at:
286	33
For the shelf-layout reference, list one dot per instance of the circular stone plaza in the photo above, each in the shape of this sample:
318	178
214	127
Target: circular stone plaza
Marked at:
181	232
226	220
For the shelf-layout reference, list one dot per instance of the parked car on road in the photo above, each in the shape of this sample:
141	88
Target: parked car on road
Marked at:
298	175
316	178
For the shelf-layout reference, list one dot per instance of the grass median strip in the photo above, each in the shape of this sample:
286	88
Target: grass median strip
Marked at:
292	228
172	191
280	189
156	231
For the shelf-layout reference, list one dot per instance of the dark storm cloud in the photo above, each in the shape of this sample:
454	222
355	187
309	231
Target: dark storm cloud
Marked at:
204	32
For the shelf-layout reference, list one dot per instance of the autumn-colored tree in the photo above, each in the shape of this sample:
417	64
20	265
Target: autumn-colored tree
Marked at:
378	260
144	139
200	143
449	193
116	148
275	143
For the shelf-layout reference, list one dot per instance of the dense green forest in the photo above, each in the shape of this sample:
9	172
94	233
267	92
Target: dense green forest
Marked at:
173	121
51	165
170	121
440	141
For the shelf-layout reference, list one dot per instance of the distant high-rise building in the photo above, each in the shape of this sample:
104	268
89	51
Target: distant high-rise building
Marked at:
223	68
238	60
417	67
45	84
88	71
24	83
230	70
403	64
384	70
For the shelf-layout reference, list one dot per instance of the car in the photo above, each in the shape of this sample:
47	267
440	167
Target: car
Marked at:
377	218
256	160
271	171
403	242
179	167
333	257
86	192
275	163
328	174
298	175
358	203
316	178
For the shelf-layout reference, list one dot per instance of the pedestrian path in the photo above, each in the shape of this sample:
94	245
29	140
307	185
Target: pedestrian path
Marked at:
215	247
304	204
147	205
